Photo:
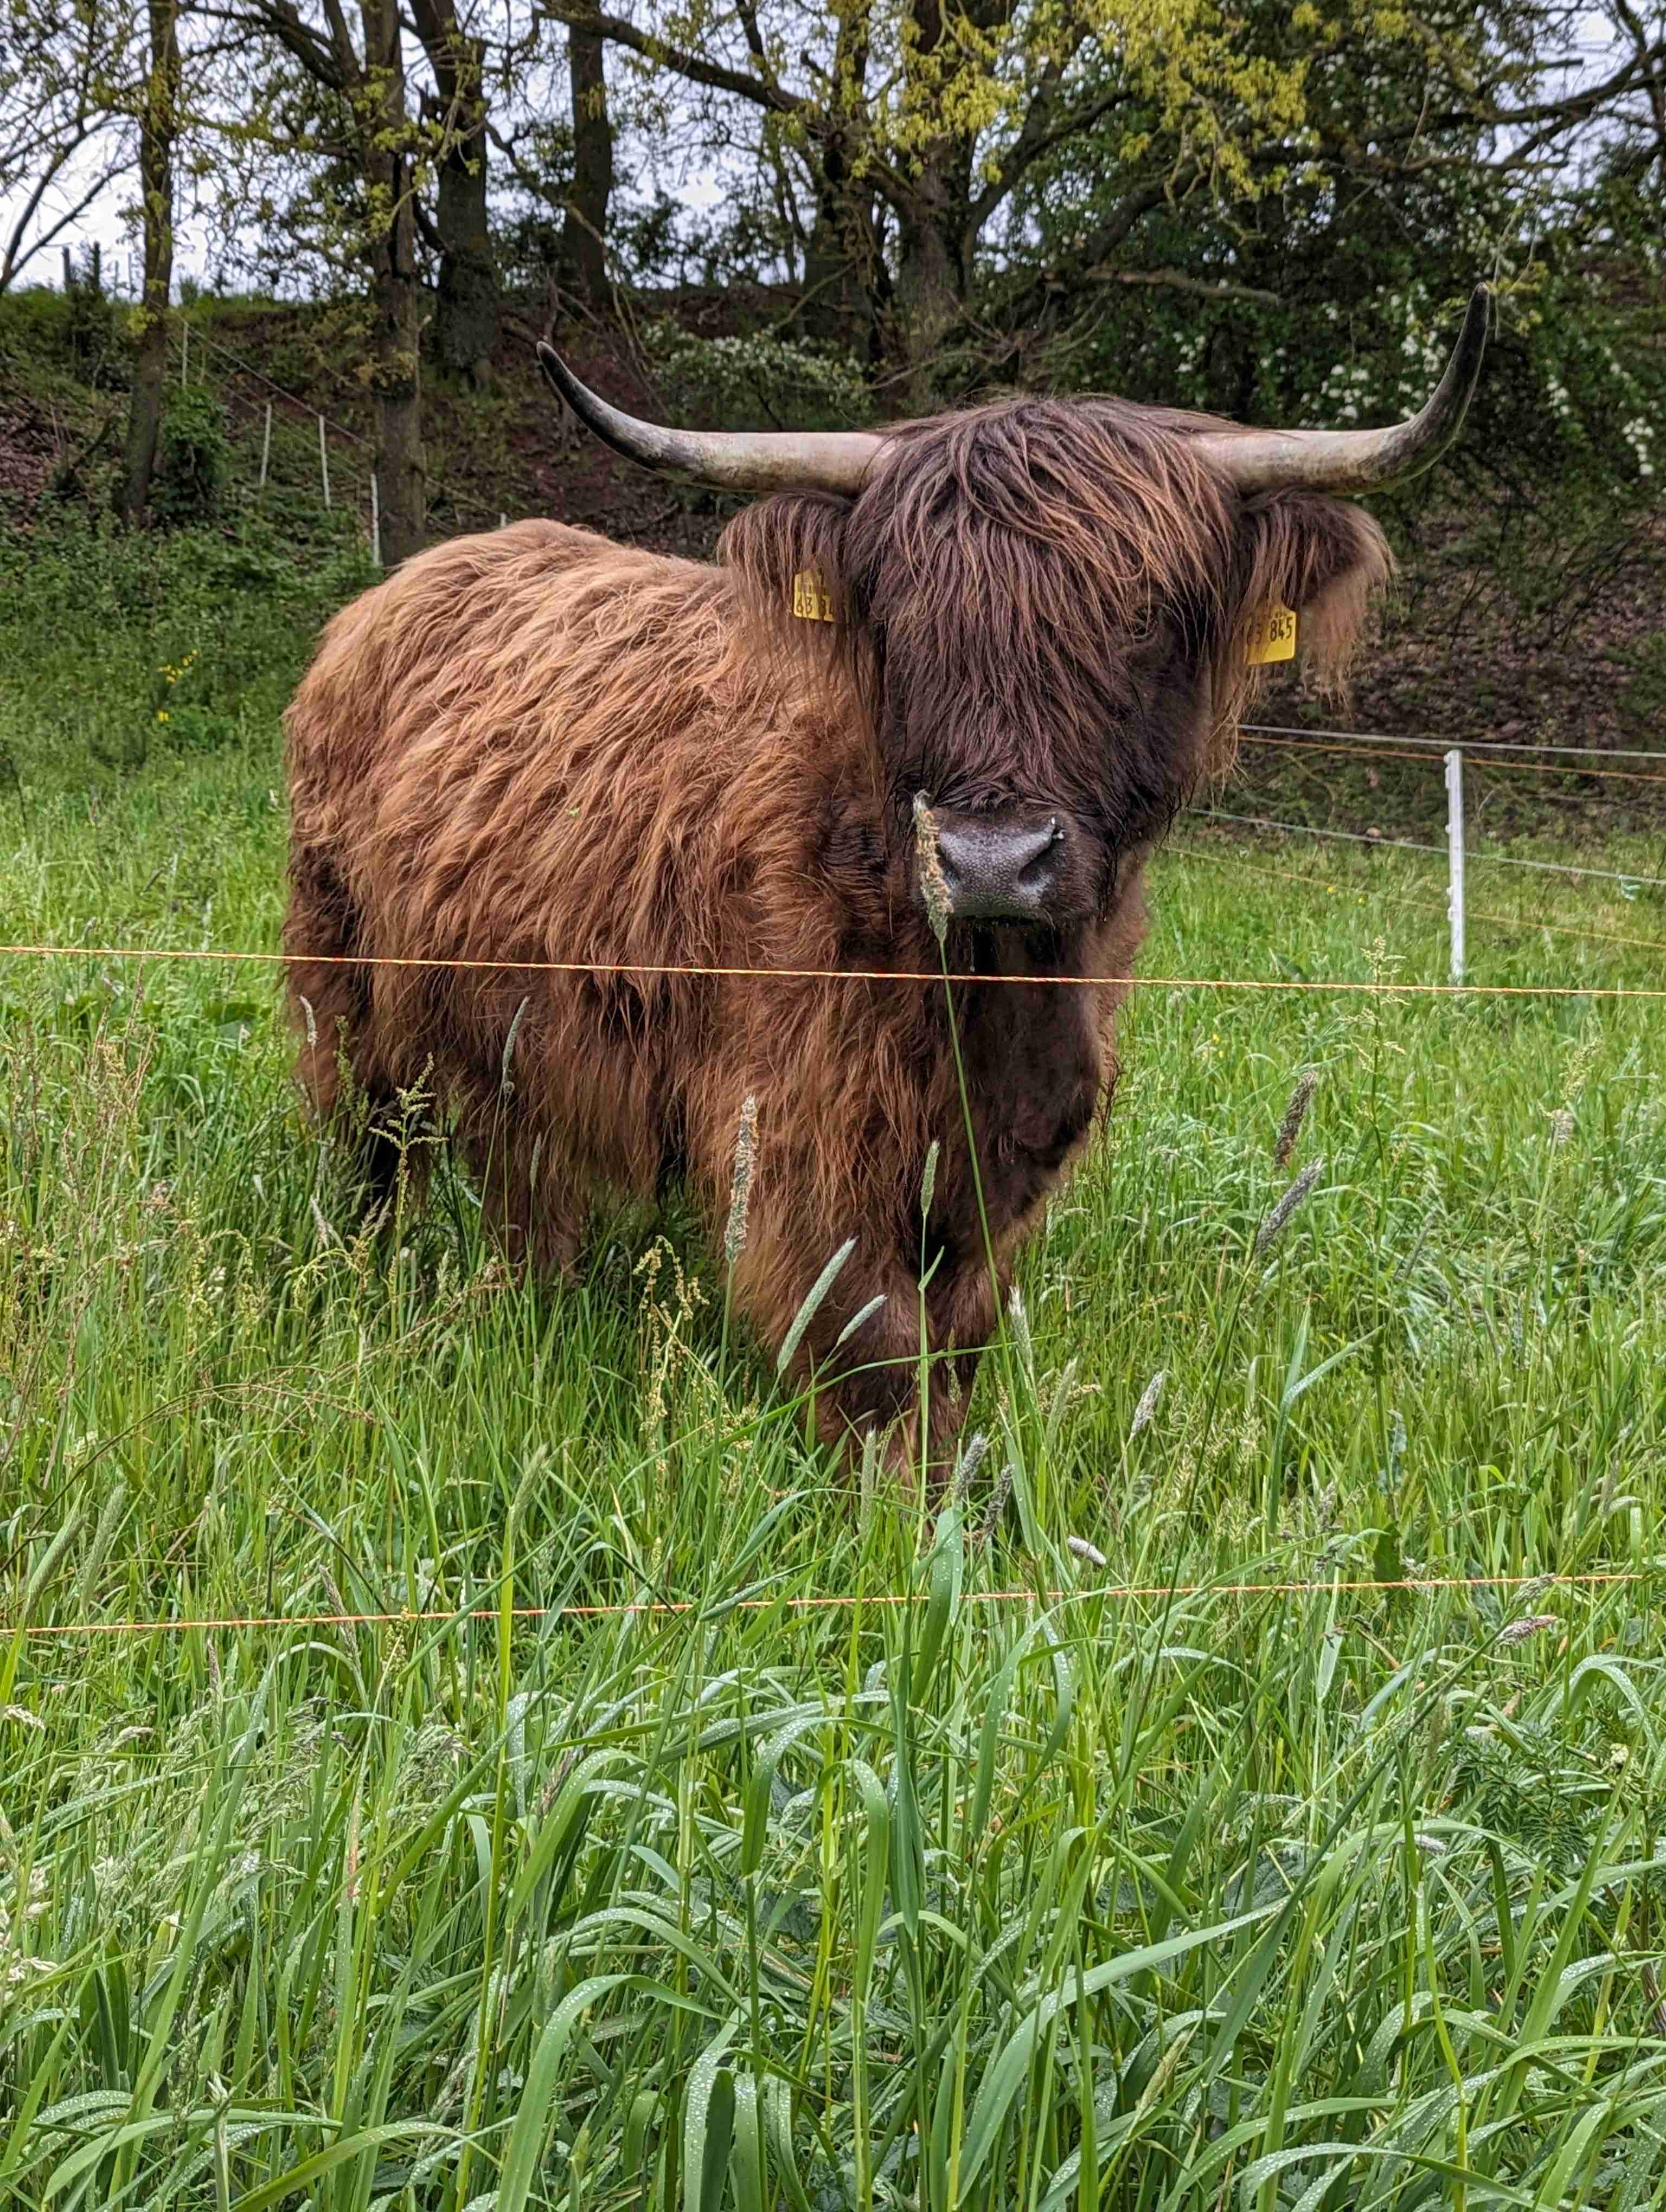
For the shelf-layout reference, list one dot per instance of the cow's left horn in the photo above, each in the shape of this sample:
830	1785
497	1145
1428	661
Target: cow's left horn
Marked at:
1358	460
734	461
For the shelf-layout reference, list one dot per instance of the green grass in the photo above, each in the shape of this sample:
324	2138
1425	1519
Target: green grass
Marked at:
1199	1897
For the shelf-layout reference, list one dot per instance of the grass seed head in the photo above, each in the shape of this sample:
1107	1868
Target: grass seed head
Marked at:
1529	1625
740	1182
1294	1115
1147	1406
1081	1549
1278	1219
928	1180
506	1082
939	906
971	1459
1003	1491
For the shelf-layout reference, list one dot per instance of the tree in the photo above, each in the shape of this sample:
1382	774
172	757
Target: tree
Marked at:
365	79
64	106
918	130
584	232
917	121
158	124
466	305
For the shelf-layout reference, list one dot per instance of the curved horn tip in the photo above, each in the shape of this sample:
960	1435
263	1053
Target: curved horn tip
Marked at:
557	374
1477	326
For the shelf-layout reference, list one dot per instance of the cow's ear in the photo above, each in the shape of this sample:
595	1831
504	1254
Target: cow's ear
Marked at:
788	551
1321	559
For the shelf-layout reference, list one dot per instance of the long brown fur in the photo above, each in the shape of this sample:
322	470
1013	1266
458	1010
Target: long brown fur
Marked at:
537	745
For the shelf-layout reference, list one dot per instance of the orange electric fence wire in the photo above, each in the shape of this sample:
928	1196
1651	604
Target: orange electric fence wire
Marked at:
1467	745
1425	906
142	953
1472	758
1357	752
848	1602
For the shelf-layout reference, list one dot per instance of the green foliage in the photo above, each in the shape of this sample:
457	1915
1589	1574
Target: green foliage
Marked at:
90	332
74	330
232	618
1644	697
756	379
194	458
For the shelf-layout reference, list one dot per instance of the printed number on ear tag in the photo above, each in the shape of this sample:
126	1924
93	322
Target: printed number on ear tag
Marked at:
1274	638
811	599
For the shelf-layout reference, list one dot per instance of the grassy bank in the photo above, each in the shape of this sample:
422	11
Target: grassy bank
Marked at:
1021	1851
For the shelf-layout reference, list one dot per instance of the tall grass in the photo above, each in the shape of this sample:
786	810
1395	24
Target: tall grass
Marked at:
987	1884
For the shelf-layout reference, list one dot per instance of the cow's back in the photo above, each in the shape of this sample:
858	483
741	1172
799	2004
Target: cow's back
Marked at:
567	766
523	742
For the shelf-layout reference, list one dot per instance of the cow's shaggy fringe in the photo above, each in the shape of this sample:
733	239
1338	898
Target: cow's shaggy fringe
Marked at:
1056	549
534	745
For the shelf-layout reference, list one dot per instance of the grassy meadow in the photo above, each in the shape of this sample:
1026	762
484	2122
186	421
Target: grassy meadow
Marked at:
1016	1850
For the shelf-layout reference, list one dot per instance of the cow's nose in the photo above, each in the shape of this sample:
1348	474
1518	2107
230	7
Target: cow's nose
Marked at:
998	873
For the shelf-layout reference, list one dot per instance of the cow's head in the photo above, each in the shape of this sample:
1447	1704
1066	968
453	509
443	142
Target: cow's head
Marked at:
1051	607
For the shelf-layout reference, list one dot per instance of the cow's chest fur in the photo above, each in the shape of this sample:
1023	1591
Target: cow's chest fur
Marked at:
1036	1063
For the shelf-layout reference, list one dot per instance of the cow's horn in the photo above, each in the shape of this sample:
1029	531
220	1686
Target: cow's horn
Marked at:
1358	460
735	461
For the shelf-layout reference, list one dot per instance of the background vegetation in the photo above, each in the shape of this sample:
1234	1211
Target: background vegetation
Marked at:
759	213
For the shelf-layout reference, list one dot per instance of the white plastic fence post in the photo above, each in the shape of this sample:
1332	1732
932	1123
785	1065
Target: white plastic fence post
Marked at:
324	463
502	521
376	521
266	445
1455	858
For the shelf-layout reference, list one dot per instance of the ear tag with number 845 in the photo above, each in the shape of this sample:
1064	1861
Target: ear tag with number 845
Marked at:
811	601
1273	637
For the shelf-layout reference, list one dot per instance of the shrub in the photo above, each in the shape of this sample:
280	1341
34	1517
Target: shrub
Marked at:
195	451
756	379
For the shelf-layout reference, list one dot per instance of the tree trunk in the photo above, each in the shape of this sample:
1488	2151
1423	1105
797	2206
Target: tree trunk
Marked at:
395	295
466	313
584	232
930	287
848	291
843	270
931	222
465	310
158	123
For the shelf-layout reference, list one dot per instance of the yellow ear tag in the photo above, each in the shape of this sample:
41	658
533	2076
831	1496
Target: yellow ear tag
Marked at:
1274	638
811	601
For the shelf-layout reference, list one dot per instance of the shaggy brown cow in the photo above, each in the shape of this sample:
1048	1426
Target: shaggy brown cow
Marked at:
540	747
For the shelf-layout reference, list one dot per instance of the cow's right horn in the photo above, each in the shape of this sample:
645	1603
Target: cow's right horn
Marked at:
733	460
1358	460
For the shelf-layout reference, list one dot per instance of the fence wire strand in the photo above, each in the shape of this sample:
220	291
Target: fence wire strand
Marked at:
1313	882
1464	745
956	977
1380	750
1411	845
821	1602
